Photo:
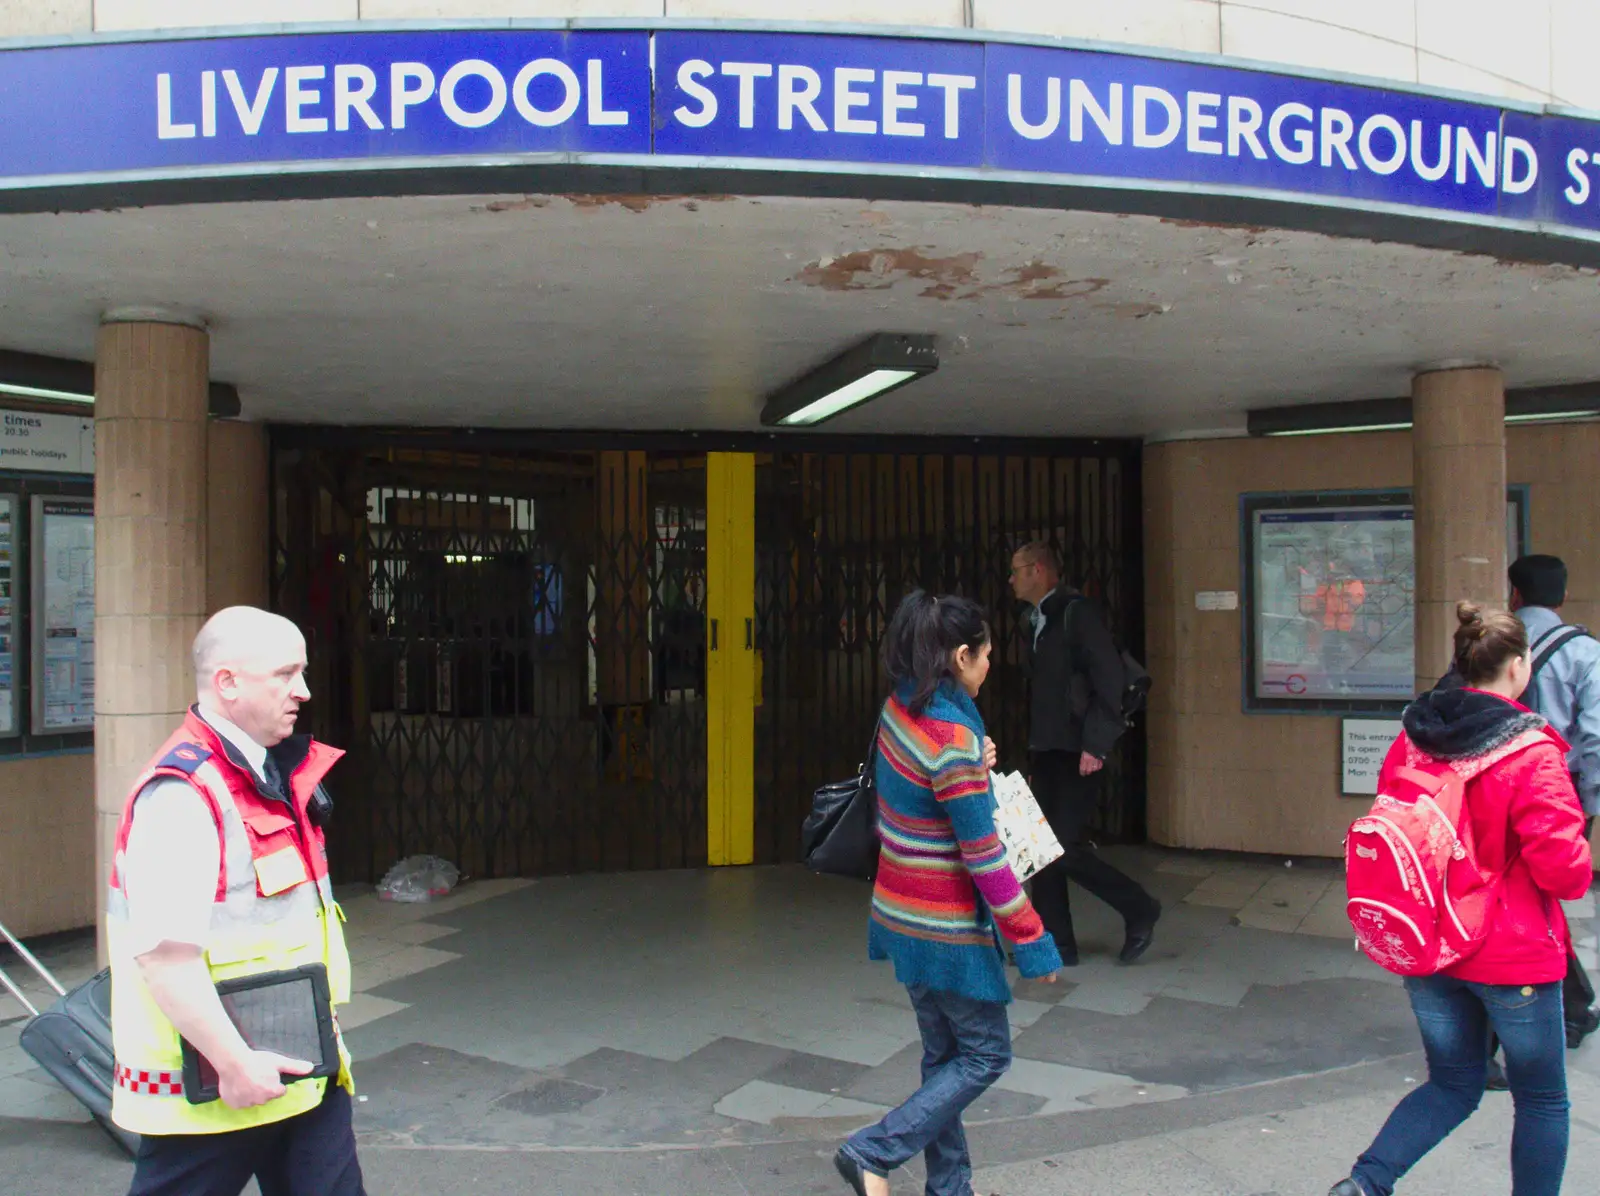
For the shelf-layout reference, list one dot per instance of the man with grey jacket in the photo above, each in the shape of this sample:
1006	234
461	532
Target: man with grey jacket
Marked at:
1566	690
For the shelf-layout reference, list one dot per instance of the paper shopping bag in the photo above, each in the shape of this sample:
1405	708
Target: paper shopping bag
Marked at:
1030	843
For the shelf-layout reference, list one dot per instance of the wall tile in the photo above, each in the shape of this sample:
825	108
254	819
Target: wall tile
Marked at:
1250	32
1391	20
882	12
38	18
1574	34
1447	72
47	857
395	10
187	14
1169	24
1508	41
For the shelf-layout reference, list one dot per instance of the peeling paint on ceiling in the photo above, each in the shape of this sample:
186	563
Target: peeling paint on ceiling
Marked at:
683	312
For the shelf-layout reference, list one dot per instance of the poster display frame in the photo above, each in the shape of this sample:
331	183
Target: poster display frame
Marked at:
13	575
39	548
1251	505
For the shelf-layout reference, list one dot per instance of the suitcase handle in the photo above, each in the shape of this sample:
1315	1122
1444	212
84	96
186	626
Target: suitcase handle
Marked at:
44	972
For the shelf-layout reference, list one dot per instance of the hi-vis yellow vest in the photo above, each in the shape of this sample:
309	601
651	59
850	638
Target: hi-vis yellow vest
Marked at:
274	910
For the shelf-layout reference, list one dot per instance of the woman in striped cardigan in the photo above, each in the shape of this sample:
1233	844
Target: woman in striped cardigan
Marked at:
945	892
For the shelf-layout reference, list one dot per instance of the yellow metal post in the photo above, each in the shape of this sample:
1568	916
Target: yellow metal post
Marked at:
730	657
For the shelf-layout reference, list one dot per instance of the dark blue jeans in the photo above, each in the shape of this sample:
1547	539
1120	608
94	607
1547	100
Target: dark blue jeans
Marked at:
1455	1018
966	1047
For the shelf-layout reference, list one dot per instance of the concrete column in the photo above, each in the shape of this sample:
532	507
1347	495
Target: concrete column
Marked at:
151	381
1458	445
238	556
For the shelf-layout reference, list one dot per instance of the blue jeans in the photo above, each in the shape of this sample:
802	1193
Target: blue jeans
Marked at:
966	1047
1455	1017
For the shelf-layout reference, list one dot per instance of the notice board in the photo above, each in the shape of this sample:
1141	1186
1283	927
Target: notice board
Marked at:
63	614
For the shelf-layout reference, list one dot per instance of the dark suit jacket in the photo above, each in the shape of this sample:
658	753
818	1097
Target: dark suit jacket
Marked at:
1077	678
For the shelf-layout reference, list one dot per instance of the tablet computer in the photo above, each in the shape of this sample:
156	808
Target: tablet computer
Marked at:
290	1012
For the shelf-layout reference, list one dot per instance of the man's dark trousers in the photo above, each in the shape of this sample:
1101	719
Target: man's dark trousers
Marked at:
313	1154
1068	801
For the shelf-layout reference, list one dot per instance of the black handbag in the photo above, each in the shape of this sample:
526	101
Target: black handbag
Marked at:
840	835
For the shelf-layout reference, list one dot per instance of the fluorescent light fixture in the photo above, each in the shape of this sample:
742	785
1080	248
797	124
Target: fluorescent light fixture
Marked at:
43	392
61	380
879	364
1528	405
1338	430
1552	417
847	396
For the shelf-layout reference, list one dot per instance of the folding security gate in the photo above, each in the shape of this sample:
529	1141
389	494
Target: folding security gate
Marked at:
512	642
841	537
511	646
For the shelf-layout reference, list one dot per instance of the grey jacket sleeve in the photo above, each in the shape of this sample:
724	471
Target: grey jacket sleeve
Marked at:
1584	760
1095	655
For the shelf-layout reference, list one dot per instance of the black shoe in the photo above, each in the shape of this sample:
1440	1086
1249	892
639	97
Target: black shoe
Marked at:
1496	1081
850	1171
1346	1187
1140	935
1579	1028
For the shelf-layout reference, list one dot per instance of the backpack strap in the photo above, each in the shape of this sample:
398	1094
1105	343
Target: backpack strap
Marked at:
1553	641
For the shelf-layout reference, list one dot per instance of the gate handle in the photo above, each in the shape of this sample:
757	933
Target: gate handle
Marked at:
749	634
713	635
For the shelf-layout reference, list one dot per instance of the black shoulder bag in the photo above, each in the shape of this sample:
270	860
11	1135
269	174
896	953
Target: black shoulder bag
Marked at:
840	835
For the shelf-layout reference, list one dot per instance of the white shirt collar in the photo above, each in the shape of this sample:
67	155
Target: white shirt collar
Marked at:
254	754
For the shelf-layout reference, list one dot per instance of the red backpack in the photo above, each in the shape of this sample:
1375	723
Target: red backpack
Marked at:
1418	899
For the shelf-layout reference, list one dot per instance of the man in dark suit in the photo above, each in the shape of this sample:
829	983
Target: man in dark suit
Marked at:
1076	719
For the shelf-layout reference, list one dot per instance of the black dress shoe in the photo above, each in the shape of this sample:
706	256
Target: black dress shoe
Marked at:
1141	934
852	1172
1581	1026
1346	1187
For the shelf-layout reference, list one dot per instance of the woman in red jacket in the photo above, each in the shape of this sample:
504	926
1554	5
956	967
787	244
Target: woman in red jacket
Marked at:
1527	821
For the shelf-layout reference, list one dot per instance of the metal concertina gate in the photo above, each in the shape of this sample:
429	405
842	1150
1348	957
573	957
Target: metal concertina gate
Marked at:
510	642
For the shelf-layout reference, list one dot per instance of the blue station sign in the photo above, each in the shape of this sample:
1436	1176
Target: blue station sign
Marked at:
97	110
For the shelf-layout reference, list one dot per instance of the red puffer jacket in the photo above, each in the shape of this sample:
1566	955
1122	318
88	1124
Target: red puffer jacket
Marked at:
1523	809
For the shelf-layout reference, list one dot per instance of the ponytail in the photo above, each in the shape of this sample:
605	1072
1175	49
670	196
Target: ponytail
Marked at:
923	638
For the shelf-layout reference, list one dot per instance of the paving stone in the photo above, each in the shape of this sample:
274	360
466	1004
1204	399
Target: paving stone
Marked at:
364	1008
816	1073
1055	1081
1117	1000
763	1102
1022	1014
1258	919
550	1097
1274	1033
396	965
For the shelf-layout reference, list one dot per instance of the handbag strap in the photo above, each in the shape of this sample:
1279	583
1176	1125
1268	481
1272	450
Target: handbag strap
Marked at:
869	765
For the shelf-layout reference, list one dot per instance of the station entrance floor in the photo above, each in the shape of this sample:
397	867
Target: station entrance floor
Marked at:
718	1031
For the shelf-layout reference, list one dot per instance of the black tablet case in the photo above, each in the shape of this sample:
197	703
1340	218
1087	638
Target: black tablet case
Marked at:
289	1012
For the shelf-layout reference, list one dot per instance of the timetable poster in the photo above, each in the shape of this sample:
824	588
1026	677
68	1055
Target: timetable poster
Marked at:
63	621
8	615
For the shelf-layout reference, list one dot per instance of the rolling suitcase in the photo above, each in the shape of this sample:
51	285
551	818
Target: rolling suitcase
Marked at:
72	1040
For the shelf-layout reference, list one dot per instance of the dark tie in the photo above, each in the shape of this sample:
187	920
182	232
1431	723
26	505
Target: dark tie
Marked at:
272	777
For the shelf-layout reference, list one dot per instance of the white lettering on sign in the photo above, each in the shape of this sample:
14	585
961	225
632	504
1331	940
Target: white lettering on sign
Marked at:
1366	743
410	84
1216	600
46	443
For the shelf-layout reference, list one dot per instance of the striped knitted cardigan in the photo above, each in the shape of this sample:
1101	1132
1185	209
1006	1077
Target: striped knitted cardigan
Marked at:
941	853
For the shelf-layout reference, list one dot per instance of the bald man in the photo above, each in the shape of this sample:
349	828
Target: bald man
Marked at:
220	873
